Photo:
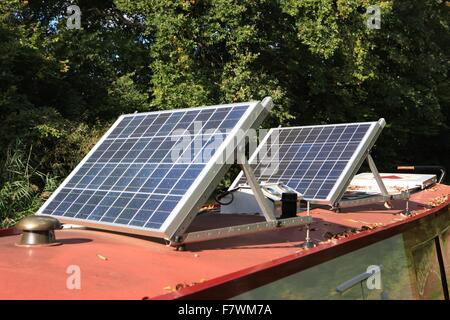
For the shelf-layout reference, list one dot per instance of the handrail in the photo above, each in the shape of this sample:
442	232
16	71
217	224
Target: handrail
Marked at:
422	168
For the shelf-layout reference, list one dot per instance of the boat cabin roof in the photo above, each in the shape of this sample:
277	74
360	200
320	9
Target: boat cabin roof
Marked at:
120	266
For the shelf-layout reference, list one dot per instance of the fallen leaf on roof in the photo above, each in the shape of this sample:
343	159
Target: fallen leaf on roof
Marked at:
396	189
328	235
438	201
346	233
209	208
356	187
183	285
378	224
180	286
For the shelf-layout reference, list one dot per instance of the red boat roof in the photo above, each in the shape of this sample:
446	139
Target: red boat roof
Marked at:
118	266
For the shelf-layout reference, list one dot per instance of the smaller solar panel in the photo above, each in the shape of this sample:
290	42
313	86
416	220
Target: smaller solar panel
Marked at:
317	161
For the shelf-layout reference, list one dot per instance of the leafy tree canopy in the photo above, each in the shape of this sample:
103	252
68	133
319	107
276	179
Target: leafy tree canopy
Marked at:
61	88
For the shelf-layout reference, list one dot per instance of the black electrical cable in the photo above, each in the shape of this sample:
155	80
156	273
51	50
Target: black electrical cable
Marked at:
223	195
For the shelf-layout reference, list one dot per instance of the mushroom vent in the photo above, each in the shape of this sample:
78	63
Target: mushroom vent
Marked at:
38	231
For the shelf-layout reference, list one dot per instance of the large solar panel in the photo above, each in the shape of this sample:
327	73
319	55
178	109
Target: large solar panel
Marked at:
151	170
317	161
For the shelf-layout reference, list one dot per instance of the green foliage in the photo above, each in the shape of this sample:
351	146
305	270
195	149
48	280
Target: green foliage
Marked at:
60	89
207	52
124	95
24	188
316	58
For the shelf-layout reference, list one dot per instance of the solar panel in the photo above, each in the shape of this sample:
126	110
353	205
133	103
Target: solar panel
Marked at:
149	172
317	161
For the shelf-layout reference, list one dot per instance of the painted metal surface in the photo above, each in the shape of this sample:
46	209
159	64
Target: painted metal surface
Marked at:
117	266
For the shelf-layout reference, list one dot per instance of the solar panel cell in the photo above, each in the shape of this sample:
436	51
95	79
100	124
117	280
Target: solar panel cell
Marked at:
140	170
313	160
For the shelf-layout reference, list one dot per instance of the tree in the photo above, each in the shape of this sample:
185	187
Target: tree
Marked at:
60	89
316	58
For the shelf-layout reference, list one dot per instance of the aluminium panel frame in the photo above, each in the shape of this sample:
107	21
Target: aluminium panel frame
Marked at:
214	172
187	207
271	222
350	169
356	161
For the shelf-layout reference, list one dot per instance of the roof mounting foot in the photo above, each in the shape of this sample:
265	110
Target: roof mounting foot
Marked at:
336	208
178	243
406	212
406	195
308	244
181	247
384	196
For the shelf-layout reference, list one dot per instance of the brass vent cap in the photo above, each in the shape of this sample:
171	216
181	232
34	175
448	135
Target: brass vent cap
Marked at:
38	231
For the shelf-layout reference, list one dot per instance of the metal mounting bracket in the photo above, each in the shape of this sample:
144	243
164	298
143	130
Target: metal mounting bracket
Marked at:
271	221
377	176
256	188
384	197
